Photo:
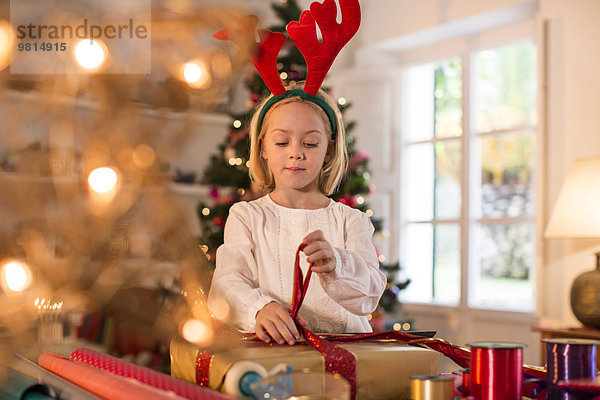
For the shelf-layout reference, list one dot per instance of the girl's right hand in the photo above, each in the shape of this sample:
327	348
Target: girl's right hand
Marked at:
273	322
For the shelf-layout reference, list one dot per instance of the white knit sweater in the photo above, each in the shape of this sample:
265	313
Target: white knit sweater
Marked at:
255	266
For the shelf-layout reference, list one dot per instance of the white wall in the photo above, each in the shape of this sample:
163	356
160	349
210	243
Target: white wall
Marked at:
572	130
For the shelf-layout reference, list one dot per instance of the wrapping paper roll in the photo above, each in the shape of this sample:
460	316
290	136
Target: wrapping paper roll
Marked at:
102	383
62	387
145	375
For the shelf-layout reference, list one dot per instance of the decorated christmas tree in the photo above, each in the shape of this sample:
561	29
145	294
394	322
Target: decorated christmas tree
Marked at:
228	169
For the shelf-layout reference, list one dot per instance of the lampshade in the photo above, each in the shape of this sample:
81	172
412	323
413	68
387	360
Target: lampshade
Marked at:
577	210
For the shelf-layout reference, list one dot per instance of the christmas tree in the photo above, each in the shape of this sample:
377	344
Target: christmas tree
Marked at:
228	169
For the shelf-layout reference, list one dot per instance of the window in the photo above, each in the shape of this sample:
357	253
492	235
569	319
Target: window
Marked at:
468	209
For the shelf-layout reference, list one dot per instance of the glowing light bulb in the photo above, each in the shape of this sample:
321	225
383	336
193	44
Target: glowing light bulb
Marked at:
196	75
283	75
196	331
191	72
5	36
237	123
89	53
102	180
15	276
205	211
342	101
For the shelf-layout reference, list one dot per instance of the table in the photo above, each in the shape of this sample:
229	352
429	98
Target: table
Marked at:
567	333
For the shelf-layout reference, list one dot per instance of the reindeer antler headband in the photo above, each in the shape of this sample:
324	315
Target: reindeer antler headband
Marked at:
319	55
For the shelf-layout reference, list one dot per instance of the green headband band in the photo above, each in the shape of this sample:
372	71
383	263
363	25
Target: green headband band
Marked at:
303	95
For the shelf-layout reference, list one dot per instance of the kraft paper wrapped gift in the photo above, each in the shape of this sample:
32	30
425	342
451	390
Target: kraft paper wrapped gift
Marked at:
383	369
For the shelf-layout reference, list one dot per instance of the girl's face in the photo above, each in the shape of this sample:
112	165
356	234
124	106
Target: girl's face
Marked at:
296	146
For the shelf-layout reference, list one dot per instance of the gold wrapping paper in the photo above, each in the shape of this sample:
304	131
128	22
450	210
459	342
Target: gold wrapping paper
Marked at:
383	370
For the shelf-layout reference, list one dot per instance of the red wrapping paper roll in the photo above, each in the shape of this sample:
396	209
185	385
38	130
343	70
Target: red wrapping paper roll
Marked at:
101	383
145	375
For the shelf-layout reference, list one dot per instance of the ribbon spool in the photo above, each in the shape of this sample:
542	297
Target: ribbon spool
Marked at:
465	381
431	387
569	359
240	376
496	370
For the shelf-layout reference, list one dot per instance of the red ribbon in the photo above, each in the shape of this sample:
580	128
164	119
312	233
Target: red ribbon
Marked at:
337	360
496	373
341	361
300	285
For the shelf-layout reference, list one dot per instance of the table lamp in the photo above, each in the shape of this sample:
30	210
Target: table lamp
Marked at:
577	215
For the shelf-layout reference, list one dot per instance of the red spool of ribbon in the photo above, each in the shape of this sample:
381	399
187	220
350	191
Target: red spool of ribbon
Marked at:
496	370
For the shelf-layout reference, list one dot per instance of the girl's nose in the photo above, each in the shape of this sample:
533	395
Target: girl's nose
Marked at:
296	151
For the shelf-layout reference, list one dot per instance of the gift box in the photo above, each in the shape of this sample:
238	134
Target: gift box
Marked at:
383	369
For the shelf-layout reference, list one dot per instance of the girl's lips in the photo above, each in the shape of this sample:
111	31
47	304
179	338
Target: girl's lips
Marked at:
294	169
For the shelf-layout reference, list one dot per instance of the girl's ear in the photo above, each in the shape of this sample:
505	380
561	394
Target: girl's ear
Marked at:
263	154
330	150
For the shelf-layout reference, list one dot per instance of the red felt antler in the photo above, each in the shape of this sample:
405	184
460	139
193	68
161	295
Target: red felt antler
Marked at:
319	56
263	54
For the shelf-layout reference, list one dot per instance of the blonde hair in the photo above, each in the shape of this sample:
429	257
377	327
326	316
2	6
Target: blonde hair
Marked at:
333	170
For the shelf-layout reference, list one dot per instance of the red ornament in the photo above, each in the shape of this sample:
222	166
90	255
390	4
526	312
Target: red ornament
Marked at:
214	193
350	200
342	200
218	221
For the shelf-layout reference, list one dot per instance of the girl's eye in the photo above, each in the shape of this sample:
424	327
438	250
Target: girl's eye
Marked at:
311	144
281	144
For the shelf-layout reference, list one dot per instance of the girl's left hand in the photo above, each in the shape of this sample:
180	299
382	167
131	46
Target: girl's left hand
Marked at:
319	252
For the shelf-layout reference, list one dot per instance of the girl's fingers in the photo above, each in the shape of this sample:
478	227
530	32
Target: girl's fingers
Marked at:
282	331
262	335
324	256
272	330
315	235
325	268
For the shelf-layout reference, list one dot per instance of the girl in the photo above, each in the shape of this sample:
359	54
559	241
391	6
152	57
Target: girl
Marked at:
298	153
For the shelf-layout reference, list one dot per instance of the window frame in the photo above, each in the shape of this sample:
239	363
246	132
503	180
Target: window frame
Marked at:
466	48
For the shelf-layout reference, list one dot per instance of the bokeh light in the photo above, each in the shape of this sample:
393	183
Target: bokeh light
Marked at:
196	75
143	156
5	39
196	331
90	54
102	180
15	276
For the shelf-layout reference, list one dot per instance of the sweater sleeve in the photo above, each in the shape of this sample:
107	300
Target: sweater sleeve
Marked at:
234	295
356	283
